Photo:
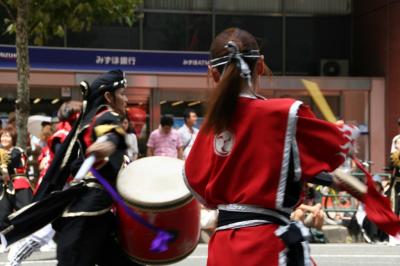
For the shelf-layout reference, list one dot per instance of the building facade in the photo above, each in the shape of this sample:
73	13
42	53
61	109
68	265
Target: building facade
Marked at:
319	40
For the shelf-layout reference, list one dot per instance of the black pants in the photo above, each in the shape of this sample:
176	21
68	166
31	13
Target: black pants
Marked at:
13	202
396	203
89	240
373	232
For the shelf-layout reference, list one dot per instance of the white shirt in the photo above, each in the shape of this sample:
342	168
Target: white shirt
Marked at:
131	142
393	147
187	136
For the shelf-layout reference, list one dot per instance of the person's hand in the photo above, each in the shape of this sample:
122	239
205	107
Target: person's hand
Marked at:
4	175
101	149
316	209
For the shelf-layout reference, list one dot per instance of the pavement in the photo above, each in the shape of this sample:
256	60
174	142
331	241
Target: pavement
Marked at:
337	234
323	254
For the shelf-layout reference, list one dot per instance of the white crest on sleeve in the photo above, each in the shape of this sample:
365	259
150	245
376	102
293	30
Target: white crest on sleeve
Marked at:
223	143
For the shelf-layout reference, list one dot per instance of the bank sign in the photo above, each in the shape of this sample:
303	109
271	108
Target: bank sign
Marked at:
71	59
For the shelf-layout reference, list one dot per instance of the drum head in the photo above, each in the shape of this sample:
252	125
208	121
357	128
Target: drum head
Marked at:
153	182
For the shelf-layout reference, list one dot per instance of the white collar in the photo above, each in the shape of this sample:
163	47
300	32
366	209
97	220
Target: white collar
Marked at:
251	95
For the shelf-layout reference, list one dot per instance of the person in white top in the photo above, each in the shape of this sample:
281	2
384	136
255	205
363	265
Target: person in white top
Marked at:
188	132
395	138
131	140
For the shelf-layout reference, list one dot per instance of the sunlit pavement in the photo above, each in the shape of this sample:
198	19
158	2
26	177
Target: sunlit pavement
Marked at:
323	254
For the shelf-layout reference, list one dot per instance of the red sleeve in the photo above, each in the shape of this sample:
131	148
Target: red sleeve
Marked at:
322	146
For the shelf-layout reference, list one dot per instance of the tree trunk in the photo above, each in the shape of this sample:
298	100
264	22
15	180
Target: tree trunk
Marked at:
22	105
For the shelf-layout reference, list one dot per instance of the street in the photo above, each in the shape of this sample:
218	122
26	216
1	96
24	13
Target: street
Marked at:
323	254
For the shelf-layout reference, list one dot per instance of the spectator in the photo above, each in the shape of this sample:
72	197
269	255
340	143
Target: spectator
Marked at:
187	131
67	116
131	140
394	188
16	188
393	147
369	230
165	141
45	134
311	216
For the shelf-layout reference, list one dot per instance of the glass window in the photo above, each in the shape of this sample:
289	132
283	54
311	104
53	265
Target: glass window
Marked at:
182	32
269	6
311	39
319	6
110	37
267	30
178	4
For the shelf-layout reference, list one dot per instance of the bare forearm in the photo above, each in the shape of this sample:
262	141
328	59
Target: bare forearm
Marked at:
150	151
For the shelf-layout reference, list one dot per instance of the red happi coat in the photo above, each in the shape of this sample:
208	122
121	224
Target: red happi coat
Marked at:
254	171
47	154
271	144
17	169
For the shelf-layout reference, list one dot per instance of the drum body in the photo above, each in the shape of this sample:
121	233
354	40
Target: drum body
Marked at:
154	188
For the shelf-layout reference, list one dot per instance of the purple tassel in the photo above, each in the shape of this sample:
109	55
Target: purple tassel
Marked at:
160	243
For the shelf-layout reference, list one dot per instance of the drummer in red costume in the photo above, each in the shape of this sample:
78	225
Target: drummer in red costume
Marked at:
252	156
67	115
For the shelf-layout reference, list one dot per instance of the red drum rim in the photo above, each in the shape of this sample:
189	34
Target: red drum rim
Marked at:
161	207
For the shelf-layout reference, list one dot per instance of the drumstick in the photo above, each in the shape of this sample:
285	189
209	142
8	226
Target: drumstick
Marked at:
350	183
319	100
347	181
85	167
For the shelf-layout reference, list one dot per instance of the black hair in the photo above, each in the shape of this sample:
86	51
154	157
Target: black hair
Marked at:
223	99
130	129
110	81
45	123
167	120
186	113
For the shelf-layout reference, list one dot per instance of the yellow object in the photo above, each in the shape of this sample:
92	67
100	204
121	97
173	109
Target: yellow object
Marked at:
395	158
104	129
319	99
4	158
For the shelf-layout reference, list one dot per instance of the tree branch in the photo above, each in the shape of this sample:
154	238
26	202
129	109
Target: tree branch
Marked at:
12	17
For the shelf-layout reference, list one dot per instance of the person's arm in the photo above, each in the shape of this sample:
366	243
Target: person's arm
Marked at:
135	147
321	146
179	147
56	145
150	151
313	209
323	178
102	149
109	135
180	153
150	145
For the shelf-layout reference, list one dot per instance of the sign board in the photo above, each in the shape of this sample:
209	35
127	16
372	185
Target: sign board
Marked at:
89	60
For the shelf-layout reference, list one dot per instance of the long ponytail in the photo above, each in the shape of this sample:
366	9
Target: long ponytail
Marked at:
234	54
223	100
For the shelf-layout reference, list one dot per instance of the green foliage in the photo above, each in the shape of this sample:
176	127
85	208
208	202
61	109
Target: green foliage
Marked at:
50	18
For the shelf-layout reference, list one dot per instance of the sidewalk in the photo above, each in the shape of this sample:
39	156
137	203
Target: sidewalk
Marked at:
337	234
